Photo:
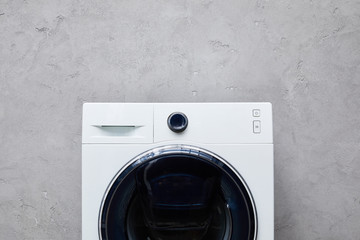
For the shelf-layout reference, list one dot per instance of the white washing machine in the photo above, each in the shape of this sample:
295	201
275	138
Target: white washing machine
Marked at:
177	171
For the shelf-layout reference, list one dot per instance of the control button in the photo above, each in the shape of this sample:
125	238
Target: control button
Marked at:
256	112
257	126
177	122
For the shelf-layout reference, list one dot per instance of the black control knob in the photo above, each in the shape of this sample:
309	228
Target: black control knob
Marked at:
177	122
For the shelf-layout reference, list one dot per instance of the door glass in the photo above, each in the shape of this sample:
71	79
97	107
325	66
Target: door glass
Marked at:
178	197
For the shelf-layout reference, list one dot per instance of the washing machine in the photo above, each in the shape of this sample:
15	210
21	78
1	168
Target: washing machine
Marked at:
177	171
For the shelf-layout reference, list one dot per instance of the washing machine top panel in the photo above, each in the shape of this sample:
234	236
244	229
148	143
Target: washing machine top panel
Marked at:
178	192
144	123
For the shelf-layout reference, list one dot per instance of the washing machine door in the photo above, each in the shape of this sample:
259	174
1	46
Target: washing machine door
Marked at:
178	193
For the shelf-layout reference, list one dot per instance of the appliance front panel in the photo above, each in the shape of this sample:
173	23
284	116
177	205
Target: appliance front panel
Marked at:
102	162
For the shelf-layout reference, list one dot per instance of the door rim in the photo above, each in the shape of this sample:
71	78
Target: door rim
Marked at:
167	150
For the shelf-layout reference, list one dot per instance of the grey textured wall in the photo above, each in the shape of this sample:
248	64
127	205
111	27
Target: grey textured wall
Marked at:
303	56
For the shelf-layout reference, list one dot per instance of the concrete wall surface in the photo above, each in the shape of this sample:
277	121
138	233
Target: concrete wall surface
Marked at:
302	55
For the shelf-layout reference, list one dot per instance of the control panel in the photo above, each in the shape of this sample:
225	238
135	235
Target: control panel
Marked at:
215	123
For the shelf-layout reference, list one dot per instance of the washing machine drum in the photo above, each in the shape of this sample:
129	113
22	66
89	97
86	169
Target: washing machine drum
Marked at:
178	193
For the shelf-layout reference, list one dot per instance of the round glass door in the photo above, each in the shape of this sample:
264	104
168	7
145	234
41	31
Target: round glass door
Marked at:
176	193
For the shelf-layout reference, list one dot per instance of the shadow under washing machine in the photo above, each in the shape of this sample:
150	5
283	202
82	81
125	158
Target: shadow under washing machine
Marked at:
171	171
